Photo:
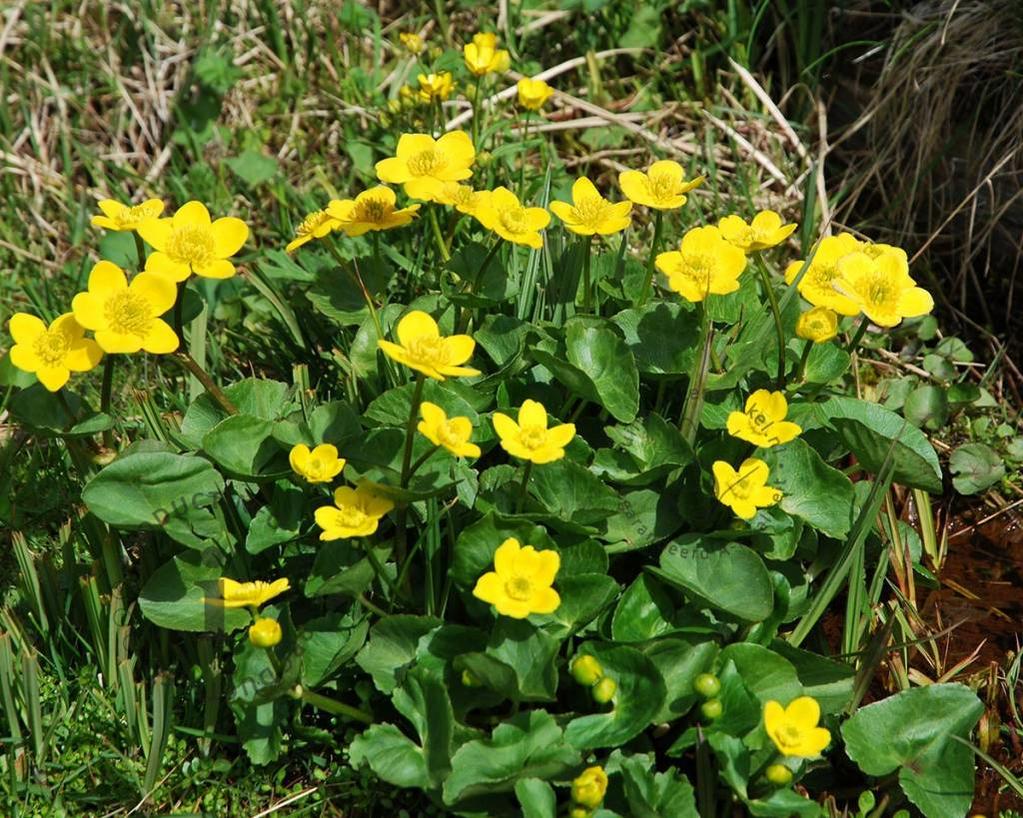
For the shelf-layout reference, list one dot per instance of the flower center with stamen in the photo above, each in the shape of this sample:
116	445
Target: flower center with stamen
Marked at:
352	517
428	351
518	588
789	735
532	436
448	435
514	220
591	210
880	292
371	210
133	216
128	314
191	244
759	420
312	222
425	162
662	186
52	346
699	267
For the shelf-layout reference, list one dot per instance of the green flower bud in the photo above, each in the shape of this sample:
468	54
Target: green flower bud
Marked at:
484	159
586	670
779	775
707	685
469	679
712	709
579	812
604	690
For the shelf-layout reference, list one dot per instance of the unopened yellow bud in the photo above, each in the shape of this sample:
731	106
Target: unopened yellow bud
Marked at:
604	690
265	633
586	670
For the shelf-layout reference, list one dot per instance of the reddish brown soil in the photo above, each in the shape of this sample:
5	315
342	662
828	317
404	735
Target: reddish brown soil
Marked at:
982	596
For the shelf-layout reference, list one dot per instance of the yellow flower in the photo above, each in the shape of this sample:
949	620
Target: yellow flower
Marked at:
482	55
355	513
746	490
117	216
265	633
451	433
372	209
530	438
463	198
818	324
794	729
766	230
704	264
662	187
520	583
235	594
590	212
125	317
763	422
505	215
52	353
188	242
421	347
589	788
533	94
881	288
817	283
413	43
314	226
319	465
422	164
435	86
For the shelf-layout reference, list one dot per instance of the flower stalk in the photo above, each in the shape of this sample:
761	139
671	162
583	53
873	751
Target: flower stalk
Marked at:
648	283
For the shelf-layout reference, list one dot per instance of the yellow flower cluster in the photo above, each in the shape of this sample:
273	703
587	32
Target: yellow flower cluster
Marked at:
125	316
847	277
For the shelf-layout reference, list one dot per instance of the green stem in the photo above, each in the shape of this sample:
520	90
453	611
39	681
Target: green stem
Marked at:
105	395
801	369
140	250
410	429
587	288
860	332
423	458
203	377
179	320
524	486
336	707
369	606
401	538
442	20
438	236
362	284
765	278
693	406
649	282
476	108
522	166
379	569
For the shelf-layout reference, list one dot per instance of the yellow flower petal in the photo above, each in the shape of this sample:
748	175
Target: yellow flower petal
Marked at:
107	278
229	234
159	291
161	264
192	214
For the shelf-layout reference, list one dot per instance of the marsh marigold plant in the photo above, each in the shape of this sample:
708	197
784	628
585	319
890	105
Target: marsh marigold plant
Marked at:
421	347
521	581
53	352
125	317
190	242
